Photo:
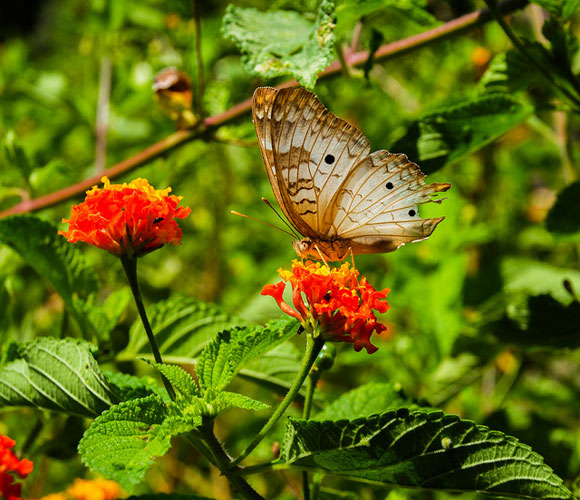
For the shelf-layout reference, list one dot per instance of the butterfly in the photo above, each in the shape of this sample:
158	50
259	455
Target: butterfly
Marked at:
338	195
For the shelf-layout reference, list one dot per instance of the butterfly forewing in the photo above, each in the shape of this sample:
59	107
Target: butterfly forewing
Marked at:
312	152
329	186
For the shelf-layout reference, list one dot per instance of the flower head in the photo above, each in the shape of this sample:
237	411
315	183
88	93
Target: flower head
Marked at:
10	464
127	219
339	305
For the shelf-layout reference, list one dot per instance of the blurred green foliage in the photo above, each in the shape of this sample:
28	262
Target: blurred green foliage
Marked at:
484	315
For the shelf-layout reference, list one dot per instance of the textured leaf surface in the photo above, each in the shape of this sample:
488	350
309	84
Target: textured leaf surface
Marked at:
224	400
124	441
183	327
364	401
422	449
56	374
59	262
231	349
444	136
282	43
179	379
126	386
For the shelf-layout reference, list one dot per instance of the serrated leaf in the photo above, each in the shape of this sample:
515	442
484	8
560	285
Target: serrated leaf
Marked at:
364	401
124	441
59	262
446	135
59	375
508	72
231	349
183	327
280	43
561	8
126	386
179	378
224	400
564	216
422	449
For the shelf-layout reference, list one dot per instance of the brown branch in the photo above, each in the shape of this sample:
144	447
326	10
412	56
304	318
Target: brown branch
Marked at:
385	52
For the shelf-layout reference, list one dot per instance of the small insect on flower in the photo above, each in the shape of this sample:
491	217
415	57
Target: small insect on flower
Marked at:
127	219
339	306
10	464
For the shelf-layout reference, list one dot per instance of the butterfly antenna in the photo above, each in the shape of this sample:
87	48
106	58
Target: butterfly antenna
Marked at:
265	223
296	235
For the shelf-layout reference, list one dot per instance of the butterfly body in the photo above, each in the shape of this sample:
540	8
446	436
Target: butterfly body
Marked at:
337	194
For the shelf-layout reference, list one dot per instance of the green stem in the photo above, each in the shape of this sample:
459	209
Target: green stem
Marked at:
130	267
224	463
544	70
313	347
313	378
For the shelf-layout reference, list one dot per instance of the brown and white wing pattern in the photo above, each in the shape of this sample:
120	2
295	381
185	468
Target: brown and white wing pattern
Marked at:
308	152
376	208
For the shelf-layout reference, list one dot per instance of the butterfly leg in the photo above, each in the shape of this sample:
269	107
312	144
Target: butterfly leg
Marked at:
345	256
321	255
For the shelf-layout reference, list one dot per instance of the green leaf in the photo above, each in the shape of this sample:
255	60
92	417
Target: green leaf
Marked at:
276	369
179	378
124	441
452	375
231	349
422	449
223	400
126	386
183	327
531	277
508	72
59	262
561	8
59	375
446	135
15	155
364	401
348	12
564	216
282	43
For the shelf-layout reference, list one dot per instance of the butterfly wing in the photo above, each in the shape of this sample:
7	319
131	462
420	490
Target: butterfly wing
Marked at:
376	207
308	152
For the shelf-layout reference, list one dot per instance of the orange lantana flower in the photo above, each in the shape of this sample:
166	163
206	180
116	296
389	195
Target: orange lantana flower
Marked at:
9	465
127	219
339	306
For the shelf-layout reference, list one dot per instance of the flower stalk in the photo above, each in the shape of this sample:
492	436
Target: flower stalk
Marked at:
130	268
313	347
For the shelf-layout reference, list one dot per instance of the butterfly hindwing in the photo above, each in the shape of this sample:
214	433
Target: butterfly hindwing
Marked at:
377	205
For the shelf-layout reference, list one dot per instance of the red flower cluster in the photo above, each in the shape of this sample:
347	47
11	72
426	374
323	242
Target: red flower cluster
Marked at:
127	219
338	305
10	463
